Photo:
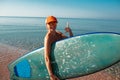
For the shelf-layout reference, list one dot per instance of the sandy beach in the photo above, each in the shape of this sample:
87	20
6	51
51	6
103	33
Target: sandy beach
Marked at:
9	54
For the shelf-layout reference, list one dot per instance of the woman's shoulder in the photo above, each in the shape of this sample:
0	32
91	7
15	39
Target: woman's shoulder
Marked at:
59	32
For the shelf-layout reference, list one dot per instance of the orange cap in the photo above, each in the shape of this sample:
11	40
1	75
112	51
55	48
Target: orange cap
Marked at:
50	19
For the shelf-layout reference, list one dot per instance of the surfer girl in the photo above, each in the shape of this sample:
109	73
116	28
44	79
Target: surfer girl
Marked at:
52	36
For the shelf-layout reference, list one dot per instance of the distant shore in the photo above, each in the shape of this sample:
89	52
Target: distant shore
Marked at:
10	53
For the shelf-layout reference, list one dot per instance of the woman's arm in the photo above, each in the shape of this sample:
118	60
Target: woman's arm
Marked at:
47	45
67	29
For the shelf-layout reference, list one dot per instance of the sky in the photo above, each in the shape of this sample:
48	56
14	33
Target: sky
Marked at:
105	9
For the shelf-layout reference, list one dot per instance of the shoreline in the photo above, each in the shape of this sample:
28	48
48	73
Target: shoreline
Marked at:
9	53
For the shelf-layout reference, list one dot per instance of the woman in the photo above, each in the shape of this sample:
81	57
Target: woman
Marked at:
51	37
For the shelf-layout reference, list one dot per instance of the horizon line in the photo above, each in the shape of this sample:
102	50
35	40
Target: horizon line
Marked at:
57	17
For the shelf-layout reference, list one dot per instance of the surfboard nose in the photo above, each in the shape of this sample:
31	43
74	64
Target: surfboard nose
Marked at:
22	69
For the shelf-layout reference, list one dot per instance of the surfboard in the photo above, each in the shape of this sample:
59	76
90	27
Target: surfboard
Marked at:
73	57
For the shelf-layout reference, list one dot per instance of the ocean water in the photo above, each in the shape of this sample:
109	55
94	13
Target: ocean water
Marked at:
29	32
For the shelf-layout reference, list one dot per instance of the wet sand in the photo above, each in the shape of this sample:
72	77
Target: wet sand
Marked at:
9	54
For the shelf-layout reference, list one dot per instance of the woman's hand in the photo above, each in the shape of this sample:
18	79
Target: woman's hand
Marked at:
53	77
67	29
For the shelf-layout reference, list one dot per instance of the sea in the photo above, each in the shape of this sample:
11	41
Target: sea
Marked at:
28	32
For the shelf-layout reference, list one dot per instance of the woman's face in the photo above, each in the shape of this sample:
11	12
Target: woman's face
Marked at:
51	25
